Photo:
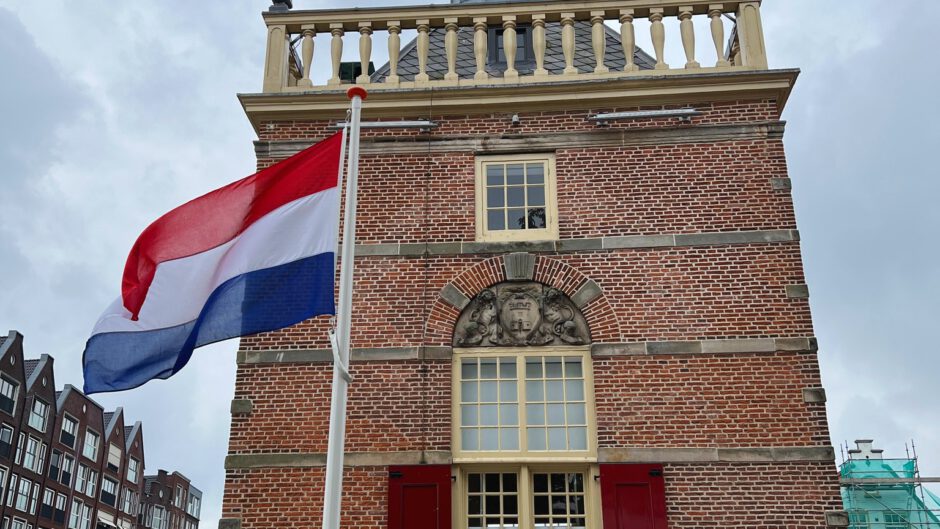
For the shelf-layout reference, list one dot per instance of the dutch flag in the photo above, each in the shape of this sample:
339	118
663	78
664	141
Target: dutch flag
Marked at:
254	256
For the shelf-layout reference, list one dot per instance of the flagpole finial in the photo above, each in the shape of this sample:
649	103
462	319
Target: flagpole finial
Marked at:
357	91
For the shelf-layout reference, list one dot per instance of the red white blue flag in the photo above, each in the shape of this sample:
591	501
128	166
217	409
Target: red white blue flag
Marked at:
254	256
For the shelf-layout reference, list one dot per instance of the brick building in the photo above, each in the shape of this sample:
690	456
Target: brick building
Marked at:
65	463
579	296
170	502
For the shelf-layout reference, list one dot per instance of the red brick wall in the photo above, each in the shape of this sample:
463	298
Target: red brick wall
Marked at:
657	294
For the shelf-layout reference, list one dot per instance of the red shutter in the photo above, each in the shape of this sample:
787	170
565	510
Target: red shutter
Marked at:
633	497
419	497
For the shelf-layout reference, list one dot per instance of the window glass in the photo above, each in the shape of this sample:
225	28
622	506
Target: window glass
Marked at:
7	394
132	470
37	415
556	416
90	448
489	404
492	500
558	500
516	198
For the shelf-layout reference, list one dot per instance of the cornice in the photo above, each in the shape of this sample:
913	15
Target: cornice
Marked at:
648	90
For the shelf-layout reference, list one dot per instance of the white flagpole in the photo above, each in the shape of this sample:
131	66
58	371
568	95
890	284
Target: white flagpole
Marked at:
333	489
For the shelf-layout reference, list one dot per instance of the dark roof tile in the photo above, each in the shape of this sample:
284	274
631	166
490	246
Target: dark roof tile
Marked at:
554	57
30	367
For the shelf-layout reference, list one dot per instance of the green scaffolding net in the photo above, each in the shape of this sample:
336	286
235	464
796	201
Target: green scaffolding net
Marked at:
883	494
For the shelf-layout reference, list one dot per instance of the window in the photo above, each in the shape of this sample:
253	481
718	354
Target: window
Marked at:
130	501
132	467
34	499
18	524
22	494
82	480
516	198
178	498
55	464
6	440
896	521
90	448
3	480
11	490
109	491
48	501
37	415
69	430
158	518
114	457
60	508
193	507
31	456
524	49
76	514
523	404
67	464
86	517
19	449
7	394
92	484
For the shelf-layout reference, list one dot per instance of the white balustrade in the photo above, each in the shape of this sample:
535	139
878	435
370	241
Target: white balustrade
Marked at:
745	52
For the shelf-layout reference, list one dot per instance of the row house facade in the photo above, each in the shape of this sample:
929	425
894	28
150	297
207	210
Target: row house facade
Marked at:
65	462
170	501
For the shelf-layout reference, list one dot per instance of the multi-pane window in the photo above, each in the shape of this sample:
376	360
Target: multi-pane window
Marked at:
37	415
114	457
55	464
132	468
559	500
22	494
3	480
158	518
516	198
48	501
60	508
82	480
11	490
32	452
523	403
67	464
69	430
90	448
92	484
492	499
6	440
76	514
109	491
7	394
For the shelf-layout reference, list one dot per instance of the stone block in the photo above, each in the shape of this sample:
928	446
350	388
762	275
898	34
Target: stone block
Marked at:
367	250
837	519
519	266
756	345
618	349
661	348
639	241
577	245
588	292
797	291
230	523
814	395
781	184
241	407
454	296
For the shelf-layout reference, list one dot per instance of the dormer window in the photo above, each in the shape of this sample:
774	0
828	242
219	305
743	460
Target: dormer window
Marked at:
524	49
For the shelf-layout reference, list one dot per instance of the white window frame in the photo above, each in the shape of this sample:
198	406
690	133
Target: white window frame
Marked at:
523	454
133	466
114	455
550	232
37	421
9	388
114	492
22	496
94	451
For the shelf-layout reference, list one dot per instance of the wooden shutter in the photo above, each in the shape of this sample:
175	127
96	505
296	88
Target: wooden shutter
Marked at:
419	497
633	496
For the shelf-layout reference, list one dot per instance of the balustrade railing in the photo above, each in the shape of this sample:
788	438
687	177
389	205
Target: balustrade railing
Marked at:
285	71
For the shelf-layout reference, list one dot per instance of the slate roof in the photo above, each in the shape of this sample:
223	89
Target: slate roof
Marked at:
554	56
148	482
108	415
30	367
2	339
127	432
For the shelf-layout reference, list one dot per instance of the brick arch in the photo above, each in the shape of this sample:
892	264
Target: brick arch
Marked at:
599	313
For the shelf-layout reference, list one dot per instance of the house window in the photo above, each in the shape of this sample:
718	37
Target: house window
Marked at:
516	198
6	440
109	491
69	429
18	524
527	403
90	448
34	455
158	518
92	484
7	394
76	514
82	480
496	52
60	501
37	415
48	500
55	464
67	464
132	466
22	494
3	480
11	490
114	457
525	443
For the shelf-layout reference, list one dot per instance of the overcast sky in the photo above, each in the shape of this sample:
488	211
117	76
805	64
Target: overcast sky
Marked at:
112	113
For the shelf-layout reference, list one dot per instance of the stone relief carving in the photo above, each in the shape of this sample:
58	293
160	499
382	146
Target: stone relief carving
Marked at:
520	314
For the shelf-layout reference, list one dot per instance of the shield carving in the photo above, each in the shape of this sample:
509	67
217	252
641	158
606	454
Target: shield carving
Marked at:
520	316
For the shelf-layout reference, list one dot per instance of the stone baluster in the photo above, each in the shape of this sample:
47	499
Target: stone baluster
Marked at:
752	52
509	46
336	52
658	32
538	44
306	51
450	48
628	39
599	41
479	47
567	42
687	29
424	27
365	52
718	34
394	50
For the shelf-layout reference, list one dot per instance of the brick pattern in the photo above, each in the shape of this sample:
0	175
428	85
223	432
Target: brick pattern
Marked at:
707	401
650	294
392	406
